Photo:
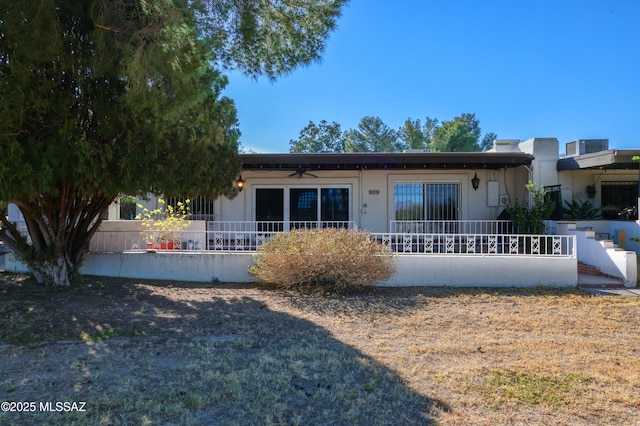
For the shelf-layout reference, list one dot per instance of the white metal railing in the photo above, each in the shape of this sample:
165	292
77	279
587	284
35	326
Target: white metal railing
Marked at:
273	226
451	226
479	244
402	243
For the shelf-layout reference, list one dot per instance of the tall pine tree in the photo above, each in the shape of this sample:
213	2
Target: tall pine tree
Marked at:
103	97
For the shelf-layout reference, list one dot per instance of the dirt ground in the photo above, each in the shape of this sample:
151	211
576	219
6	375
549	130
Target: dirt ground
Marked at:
113	351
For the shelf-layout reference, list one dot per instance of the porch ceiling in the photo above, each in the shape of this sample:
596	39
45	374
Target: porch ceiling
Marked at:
612	159
381	161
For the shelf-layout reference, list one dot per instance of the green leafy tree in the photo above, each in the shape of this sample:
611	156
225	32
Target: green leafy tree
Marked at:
487	141
103	97
372	135
416	135
458	135
323	137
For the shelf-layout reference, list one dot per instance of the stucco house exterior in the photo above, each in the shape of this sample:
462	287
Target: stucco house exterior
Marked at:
429	193
439	211
372	190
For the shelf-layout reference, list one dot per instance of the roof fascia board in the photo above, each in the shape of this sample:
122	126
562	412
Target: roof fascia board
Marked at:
318	161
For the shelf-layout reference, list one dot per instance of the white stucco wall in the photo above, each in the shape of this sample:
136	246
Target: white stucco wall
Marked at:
485	271
413	270
207	267
172	266
546	153
372	203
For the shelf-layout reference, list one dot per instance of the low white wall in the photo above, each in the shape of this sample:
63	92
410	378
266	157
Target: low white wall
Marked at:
485	271
172	266
413	270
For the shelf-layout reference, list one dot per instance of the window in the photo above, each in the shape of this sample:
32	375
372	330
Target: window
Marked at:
269	205
427	201
200	208
621	194
303	205
270	209
552	193
618	196
334	204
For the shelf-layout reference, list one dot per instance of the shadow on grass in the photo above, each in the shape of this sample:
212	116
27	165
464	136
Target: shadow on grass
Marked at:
176	354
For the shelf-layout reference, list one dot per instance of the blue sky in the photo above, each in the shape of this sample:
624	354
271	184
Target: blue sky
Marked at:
565	69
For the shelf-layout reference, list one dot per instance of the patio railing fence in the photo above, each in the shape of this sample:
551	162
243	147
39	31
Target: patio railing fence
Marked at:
250	236
451	226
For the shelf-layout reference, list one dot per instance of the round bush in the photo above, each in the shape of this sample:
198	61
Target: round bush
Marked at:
334	259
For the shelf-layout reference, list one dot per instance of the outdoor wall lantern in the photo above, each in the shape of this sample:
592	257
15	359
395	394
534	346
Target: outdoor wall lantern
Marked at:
240	183
475	181
591	191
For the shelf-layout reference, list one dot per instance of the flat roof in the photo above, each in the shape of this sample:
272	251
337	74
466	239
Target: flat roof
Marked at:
385	160
611	159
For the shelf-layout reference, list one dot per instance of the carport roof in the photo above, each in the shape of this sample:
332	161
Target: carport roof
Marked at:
611	159
385	160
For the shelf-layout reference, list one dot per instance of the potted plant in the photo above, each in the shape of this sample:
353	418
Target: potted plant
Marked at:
580	210
629	213
164	225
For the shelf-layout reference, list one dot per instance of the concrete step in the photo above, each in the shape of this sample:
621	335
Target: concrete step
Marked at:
598	281
607	243
590	276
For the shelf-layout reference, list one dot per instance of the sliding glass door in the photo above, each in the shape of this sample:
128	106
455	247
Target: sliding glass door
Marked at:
307	206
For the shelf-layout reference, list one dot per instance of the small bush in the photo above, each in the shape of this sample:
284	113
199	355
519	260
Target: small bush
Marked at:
323	259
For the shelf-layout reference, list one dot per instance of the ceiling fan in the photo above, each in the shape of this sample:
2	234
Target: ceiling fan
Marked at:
300	172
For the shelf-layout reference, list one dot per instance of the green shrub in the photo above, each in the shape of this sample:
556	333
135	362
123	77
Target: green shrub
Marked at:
323	259
531	220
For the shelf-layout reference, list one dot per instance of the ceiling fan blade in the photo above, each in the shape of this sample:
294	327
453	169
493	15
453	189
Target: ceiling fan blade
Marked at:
301	173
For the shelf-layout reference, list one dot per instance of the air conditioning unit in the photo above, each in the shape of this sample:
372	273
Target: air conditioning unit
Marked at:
586	146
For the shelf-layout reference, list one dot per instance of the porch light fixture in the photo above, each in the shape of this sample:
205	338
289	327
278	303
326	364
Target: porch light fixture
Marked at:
475	181
240	183
591	191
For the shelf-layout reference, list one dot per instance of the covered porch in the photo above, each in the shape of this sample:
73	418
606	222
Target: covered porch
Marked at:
461	258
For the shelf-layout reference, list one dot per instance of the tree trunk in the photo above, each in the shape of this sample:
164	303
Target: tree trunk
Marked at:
59	229
59	272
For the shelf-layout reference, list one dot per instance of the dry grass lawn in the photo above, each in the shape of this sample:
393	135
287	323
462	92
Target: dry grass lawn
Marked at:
159	353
